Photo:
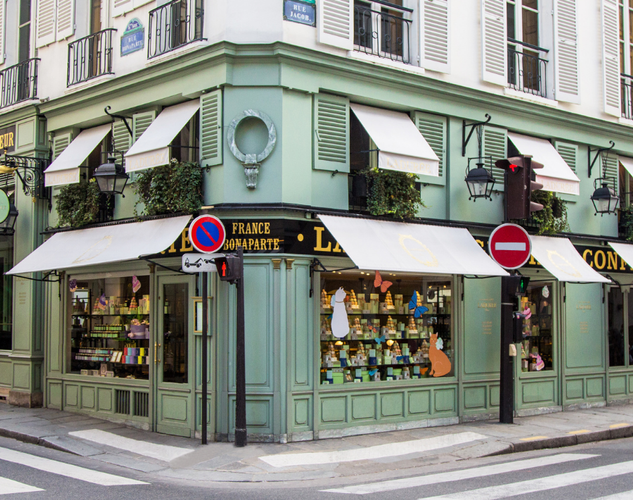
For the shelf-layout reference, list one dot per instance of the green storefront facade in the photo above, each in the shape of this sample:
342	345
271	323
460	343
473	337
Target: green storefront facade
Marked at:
277	224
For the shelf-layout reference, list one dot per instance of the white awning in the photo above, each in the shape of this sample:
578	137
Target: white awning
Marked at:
555	175
103	245
625	251
563	261
402	146
627	163
152	148
65	168
416	248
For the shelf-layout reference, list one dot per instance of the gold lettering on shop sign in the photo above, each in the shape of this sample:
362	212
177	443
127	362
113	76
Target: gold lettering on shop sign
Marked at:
584	327
487	327
600	259
185	245
319	241
487	304
584	306
590	254
6	140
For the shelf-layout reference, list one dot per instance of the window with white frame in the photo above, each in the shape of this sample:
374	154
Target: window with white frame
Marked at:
625	45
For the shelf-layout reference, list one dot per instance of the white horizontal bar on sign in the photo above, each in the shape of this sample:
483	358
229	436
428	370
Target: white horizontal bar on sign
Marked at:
513	247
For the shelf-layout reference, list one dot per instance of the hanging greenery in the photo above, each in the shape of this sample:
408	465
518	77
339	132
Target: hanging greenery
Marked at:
78	204
625	223
392	193
173	188
553	218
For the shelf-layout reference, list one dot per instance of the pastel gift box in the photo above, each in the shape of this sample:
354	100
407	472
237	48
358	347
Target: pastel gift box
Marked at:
372	357
343	357
338	378
358	374
416	372
329	377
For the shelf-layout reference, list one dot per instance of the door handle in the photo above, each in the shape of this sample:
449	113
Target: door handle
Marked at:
156	347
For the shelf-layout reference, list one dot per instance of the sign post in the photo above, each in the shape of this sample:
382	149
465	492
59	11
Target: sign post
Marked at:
510	247
207	235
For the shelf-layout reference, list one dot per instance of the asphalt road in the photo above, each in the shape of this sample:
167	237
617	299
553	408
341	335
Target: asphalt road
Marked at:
599	470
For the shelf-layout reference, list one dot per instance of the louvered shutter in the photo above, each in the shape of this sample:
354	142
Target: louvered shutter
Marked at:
211	129
65	18
2	30
433	129
60	142
331	133
494	53
120	7
335	23
566	51
611	57
435	36
495	144
45	29
610	168
140	122
568	152
121	136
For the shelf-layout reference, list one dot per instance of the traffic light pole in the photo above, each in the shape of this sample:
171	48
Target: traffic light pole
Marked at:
506	372
240	362
205	354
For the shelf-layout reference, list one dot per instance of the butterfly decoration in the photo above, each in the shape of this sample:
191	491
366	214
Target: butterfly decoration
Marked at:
439	344
72	285
399	358
380	283
380	339
413	306
373	372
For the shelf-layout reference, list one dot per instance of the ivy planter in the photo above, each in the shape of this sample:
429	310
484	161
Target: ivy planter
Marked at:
392	193
78	204
173	188
625	223
553	218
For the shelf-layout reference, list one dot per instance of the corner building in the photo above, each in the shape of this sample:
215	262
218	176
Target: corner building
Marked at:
285	105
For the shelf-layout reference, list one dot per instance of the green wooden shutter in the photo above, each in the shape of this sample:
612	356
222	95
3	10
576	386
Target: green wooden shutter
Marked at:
140	122
433	129
211	129
331	133
61	142
569	153
610	168
495	144
121	136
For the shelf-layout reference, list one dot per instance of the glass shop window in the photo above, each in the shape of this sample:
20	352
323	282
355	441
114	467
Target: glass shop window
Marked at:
6	293
377	327
617	340
109	327
536	349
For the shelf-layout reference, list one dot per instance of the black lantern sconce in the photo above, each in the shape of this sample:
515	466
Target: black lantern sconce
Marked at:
604	198
479	179
111	177
7	227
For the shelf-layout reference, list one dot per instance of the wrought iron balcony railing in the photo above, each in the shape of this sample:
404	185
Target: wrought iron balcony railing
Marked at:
526	68
385	33
173	25
626	82
18	83
90	57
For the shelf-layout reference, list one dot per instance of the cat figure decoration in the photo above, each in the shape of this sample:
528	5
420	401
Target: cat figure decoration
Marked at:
440	364
340	324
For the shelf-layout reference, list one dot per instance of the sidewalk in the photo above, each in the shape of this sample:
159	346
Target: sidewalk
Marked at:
186	459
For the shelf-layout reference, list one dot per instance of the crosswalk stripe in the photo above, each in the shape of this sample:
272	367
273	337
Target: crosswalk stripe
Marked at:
625	495
371	452
9	487
459	475
63	469
540	484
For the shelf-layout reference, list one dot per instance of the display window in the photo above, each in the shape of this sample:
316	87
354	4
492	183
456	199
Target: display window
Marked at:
6	293
109	327
380	327
536	348
620	328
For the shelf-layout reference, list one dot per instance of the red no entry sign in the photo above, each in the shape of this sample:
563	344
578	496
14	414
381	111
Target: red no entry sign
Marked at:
207	234
510	246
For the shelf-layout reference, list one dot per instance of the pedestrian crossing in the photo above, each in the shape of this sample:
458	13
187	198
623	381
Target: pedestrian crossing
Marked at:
506	488
9	486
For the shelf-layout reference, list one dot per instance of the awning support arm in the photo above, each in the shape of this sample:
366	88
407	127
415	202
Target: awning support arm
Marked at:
598	151
44	279
317	265
164	267
472	126
124	118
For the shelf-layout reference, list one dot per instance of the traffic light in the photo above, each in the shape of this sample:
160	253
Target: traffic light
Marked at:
519	185
229	268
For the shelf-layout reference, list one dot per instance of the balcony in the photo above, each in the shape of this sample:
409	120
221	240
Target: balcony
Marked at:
173	25
626	82
18	83
384	33
90	57
526	68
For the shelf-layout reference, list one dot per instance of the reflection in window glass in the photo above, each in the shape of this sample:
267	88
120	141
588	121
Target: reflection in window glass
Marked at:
6	294
536	349
175	332
616	328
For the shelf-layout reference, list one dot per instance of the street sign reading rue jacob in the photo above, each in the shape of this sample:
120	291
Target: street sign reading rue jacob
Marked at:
510	246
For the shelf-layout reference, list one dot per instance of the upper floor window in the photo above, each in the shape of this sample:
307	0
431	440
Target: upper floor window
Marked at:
625	40
24	31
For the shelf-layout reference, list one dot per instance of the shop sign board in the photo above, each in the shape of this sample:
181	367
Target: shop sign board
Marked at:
300	12
7	139
133	38
198	263
510	246
5	206
207	234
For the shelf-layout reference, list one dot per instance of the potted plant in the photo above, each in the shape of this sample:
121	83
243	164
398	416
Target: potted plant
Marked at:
392	193
78	204
553	218
625	223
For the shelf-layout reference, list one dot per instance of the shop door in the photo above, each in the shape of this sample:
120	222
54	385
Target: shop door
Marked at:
173	344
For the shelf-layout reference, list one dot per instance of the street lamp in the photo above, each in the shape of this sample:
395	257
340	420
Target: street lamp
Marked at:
479	181
604	199
111	177
7	226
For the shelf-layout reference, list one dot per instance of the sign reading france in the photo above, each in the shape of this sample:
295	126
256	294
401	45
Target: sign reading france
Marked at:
133	38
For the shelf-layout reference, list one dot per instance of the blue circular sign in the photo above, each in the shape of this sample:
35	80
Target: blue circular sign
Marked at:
207	234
